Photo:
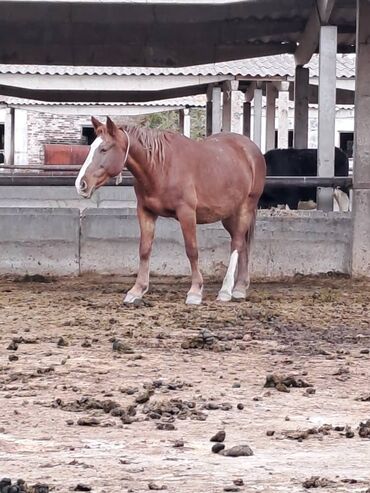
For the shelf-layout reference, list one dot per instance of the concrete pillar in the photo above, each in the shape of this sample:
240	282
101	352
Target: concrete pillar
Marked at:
361	169
20	137
247	113
213	110
209	113
327	99
184	121
257	117
9	127
271	94
231	107
301	91
247	109
283	116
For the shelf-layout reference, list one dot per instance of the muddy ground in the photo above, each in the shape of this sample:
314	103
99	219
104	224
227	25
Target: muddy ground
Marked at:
128	398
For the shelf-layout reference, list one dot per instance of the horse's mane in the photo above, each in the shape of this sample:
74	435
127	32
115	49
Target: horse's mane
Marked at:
153	141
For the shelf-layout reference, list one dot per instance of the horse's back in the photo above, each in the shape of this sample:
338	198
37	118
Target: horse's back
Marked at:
229	171
239	144
244	154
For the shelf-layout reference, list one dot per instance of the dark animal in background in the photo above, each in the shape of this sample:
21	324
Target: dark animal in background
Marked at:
296	162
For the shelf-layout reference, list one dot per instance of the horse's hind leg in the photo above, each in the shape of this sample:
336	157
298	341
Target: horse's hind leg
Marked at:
243	280
236	281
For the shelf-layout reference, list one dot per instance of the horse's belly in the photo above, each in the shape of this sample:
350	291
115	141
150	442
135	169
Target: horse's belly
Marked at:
157	207
222	205
206	215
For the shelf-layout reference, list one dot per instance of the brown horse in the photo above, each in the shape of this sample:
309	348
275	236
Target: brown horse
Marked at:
218	178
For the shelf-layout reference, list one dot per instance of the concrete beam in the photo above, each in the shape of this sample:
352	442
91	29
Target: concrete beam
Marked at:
326	124
301	97
152	81
271	95
97	110
361	169
309	40
98	96
343	96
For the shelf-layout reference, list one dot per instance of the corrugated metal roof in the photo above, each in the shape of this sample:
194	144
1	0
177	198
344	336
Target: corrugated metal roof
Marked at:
269	66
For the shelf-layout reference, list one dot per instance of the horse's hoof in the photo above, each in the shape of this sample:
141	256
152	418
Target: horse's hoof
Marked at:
239	295
224	296
194	299
131	298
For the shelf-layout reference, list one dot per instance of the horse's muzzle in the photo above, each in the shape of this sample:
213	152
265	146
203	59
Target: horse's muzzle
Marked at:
84	190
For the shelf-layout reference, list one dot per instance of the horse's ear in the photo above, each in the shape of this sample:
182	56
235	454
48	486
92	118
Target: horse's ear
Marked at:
111	127
96	123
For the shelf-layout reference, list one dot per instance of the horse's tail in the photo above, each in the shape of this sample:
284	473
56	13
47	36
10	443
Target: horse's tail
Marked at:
249	236
250	233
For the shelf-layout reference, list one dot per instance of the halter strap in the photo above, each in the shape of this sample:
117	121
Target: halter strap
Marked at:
119	176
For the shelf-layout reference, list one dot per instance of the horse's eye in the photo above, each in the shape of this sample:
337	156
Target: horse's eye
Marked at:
103	150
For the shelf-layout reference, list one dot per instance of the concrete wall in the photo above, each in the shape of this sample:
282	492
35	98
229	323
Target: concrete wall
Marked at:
44	241
57	241
14	196
307	243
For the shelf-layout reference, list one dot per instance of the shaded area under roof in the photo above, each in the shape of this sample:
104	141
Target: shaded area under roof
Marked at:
168	34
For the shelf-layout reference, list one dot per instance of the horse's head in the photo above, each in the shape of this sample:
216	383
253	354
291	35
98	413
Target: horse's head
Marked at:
106	159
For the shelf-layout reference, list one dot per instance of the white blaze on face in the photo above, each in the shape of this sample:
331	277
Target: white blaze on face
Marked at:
87	162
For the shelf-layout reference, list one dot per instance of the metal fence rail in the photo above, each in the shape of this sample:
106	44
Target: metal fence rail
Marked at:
47	179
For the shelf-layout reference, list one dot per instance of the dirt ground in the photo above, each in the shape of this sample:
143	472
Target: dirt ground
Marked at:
128	398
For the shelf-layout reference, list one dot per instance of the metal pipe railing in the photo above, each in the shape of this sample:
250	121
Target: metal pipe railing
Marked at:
23	179
33	167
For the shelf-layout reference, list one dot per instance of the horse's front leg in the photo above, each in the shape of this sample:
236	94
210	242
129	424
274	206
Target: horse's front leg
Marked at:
187	218
147	227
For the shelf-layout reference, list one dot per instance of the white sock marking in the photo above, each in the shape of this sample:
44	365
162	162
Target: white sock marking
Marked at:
229	280
87	162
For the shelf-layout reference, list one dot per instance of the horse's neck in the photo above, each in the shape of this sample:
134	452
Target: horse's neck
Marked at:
139	165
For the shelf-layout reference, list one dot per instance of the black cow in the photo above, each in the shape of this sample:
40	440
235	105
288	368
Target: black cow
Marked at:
296	162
